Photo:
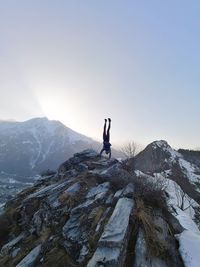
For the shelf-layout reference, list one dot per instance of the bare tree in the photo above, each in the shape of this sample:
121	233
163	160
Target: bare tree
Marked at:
130	149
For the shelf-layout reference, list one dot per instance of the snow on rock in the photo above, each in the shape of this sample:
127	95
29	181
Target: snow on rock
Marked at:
189	248
189	239
189	169
142	255
167	148
30	259
186	221
176	196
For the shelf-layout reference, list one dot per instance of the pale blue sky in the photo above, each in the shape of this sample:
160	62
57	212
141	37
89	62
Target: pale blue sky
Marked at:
80	61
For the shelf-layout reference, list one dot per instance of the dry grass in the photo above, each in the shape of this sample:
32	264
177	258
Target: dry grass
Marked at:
142	214
96	215
58	257
9	223
151	192
44	235
144	218
5	261
69	200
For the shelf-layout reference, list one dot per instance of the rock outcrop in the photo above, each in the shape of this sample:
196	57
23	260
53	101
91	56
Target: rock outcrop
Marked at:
93	212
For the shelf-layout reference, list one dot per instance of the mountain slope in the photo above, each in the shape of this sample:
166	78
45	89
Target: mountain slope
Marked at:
159	157
30	147
96	212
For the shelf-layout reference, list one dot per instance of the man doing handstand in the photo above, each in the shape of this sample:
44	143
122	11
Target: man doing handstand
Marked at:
106	139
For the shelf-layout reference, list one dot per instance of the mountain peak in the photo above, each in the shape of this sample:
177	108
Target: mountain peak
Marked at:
160	143
30	147
156	156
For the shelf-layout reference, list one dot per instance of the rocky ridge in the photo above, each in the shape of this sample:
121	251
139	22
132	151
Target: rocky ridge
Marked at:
98	212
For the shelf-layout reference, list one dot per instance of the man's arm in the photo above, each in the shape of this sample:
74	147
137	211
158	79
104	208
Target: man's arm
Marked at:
110	154
101	152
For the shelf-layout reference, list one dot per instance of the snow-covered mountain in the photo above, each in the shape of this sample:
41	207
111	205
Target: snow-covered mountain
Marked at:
30	147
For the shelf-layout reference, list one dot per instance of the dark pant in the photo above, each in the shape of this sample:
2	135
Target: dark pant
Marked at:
106	136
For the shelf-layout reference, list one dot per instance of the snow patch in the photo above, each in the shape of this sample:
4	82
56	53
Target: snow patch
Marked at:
189	248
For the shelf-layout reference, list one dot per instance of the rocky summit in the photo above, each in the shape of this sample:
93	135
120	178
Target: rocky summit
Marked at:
95	212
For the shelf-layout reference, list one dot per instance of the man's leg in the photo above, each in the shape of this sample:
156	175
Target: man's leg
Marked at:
104	131
108	131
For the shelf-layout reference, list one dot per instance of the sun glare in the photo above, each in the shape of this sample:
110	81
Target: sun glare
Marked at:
61	107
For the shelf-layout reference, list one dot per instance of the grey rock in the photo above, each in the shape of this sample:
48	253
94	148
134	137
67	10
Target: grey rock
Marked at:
81	167
96	194
113	242
118	193
7	247
73	189
76	160
117	227
128	191
105	257
88	204
37	221
109	199
117	175
31	258
15	252
87	153
102	163
42	191
83	253
142	255
102	219
101	188
49	190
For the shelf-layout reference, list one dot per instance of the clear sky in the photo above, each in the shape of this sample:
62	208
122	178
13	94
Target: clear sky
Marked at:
135	61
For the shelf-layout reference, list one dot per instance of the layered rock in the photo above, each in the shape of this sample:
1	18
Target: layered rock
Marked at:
111	248
88	214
